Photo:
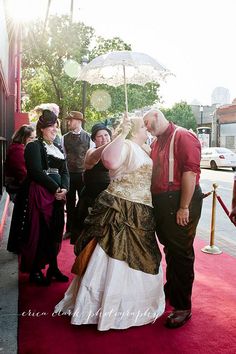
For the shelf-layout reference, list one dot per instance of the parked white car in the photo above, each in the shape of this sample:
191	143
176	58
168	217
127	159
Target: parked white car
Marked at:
214	157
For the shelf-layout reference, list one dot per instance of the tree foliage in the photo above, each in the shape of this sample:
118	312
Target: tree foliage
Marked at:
182	115
44	56
45	53
104	46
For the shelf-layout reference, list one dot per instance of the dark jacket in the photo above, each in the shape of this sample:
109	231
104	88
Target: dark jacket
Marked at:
37	162
15	162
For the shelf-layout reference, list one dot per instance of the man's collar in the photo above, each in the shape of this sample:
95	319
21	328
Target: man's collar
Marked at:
76	132
170	129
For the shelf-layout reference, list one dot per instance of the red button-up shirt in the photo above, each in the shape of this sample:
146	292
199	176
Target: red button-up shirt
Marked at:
187	156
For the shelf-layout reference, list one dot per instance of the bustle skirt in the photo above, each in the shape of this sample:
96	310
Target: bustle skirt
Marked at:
120	281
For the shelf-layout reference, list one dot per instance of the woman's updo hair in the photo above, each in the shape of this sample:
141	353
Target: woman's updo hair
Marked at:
47	119
136	123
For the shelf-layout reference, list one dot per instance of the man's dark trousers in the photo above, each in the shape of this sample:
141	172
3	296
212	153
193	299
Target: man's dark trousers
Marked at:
178	244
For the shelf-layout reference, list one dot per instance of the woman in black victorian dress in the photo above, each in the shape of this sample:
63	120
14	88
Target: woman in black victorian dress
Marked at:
38	217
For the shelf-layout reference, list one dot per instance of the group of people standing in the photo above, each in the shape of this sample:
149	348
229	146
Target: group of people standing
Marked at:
130	195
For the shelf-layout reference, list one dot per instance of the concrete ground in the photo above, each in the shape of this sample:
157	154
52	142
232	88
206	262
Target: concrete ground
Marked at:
8	293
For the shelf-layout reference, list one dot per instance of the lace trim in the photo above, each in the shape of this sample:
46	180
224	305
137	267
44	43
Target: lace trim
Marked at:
134	186
53	151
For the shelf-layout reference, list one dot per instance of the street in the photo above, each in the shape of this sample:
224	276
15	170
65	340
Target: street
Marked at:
225	231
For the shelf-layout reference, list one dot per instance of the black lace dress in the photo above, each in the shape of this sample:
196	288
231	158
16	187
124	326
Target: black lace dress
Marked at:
96	180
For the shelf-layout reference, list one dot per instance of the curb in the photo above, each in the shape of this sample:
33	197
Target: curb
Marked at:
4	203
8	285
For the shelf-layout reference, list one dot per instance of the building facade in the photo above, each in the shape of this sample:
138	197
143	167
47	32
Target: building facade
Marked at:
8	51
222	122
226	126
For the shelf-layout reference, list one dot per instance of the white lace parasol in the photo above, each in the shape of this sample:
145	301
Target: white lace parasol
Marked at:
122	68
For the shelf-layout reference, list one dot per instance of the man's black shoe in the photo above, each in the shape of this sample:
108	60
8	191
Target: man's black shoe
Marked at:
178	318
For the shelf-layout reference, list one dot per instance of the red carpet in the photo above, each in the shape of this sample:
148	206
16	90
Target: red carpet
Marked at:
212	328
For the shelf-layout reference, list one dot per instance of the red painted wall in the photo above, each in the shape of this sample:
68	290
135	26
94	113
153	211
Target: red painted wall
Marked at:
20	119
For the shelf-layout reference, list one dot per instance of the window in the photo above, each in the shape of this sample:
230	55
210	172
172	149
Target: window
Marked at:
230	142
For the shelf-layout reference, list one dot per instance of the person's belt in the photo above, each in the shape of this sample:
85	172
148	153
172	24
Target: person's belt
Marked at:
51	170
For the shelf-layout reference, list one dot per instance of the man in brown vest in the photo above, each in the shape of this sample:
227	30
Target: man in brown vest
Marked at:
75	144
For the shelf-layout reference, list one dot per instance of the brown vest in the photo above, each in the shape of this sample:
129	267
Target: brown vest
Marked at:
76	146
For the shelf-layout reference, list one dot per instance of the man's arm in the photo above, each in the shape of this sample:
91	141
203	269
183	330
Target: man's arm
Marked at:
188	184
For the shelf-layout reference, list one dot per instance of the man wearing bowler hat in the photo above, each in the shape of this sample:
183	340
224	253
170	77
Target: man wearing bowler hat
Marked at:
75	144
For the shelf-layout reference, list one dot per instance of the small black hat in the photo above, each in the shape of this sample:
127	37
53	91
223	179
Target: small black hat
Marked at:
47	119
97	127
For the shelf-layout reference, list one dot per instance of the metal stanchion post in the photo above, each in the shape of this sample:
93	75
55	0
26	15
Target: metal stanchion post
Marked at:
212	249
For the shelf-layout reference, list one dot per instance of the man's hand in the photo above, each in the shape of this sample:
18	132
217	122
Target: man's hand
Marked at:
182	216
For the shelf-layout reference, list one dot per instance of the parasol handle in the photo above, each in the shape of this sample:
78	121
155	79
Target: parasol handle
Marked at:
126	96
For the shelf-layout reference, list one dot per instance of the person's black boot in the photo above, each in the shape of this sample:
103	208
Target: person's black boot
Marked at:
38	278
57	275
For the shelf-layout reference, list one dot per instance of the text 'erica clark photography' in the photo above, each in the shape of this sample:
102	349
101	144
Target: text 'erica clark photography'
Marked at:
135	315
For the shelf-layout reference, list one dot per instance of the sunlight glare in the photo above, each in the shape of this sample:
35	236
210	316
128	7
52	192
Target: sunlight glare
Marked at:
72	68
100	100
25	11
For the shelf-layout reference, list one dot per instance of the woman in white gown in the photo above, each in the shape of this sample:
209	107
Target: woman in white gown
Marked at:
122	284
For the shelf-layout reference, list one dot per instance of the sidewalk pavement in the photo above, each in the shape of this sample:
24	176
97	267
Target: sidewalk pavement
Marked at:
8	291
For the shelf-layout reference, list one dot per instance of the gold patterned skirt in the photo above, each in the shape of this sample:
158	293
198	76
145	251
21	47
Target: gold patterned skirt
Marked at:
125	230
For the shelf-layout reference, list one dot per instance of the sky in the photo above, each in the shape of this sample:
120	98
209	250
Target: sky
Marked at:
195	40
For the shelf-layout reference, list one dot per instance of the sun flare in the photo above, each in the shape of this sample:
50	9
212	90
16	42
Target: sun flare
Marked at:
25	10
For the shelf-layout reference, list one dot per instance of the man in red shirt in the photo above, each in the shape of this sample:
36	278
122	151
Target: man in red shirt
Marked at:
177	201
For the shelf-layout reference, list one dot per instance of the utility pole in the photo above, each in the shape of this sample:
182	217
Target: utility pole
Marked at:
84	87
46	18
71	10
201	113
